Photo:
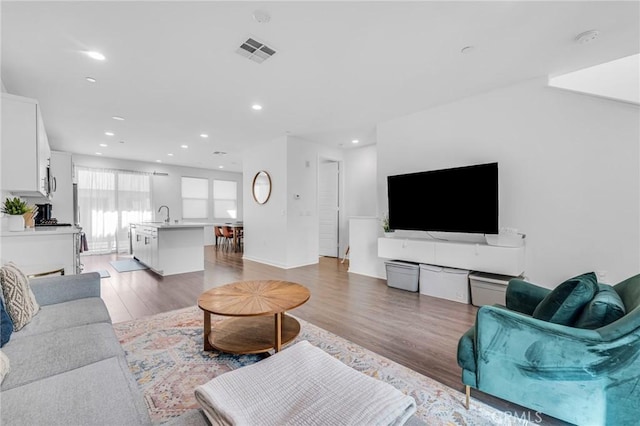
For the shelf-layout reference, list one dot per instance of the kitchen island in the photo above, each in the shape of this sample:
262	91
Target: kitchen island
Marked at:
169	248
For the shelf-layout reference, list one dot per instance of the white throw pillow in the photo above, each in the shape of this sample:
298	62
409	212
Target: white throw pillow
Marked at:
20	302
4	366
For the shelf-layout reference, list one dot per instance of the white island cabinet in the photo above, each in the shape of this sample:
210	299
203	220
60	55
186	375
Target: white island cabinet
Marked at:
169	249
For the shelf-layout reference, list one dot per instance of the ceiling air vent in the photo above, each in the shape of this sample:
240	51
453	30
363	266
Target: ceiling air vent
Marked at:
255	50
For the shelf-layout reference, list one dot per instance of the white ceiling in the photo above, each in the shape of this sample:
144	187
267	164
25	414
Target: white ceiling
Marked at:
341	67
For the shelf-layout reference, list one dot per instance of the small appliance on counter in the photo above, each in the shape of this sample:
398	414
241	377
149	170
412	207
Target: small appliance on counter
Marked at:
43	217
44	213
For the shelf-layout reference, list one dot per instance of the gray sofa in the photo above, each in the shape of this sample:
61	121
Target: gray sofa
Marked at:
67	366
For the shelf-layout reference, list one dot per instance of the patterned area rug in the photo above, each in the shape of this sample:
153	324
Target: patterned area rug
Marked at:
165	354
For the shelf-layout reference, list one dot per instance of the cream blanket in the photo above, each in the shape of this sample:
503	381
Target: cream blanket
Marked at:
302	385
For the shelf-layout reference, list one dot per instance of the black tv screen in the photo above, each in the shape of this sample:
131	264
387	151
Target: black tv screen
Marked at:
462	199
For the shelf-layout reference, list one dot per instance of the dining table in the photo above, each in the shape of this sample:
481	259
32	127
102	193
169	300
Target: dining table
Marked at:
238	227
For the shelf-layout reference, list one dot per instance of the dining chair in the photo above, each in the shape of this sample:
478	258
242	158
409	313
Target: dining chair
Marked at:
227	232
217	230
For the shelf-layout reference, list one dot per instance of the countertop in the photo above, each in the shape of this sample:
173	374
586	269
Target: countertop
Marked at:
163	225
39	231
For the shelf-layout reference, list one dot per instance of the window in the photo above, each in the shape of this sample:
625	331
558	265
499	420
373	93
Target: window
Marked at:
108	201
225	199
195	198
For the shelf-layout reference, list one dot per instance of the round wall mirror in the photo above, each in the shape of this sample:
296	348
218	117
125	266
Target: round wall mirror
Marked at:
261	187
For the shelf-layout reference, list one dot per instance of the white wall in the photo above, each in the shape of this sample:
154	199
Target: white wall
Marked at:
362	202
284	232
303	226
265	225
569	169
360	181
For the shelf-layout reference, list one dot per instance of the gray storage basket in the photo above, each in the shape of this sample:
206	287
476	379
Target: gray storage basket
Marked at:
403	275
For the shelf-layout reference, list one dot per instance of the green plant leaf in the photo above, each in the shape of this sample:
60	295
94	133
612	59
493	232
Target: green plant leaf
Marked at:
15	206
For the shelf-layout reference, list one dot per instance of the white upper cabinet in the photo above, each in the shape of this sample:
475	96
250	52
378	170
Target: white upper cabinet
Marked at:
61	184
25	151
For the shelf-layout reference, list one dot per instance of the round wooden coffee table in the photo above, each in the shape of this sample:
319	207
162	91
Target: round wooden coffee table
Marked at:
259	323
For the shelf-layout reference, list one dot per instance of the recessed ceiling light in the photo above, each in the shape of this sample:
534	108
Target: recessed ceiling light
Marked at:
355	141
96	55
98	153
90	79
170	154
204	135
158	161
256	107
104	145
221	167
117	117
184	146
109	133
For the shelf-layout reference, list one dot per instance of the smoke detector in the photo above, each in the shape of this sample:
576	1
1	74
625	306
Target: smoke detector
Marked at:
587	36
261	17
255	50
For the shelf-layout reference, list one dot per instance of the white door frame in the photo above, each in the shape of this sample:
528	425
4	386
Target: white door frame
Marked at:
338	202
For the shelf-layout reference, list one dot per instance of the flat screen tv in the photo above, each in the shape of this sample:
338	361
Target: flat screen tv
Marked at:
461	199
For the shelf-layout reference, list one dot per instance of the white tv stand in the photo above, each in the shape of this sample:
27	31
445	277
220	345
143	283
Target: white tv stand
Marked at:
463	255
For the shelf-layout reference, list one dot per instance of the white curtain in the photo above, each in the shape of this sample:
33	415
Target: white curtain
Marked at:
109	200
134	204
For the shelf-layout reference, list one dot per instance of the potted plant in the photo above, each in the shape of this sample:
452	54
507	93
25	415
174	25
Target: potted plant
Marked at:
15	208
388	232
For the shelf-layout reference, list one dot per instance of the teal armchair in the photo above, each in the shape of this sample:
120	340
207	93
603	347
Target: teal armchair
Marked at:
582	376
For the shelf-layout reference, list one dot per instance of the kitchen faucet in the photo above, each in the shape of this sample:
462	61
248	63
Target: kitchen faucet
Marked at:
167	219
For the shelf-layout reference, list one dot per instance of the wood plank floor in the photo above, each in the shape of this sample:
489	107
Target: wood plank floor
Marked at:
417	331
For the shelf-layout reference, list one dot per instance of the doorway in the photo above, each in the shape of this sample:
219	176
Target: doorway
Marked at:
329	207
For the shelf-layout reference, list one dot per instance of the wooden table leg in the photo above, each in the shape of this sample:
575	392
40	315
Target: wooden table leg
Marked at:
278	338
207	331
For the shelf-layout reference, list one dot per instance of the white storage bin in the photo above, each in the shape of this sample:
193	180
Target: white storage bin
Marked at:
402	275
445	283
488	289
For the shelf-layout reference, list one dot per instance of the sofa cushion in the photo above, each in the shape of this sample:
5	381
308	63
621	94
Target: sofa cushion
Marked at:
564	304
64	315
605	308
4	366
20	302
6	325
48	354
63	288
102	393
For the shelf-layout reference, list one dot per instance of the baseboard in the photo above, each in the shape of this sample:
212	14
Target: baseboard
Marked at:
277	265
351	271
